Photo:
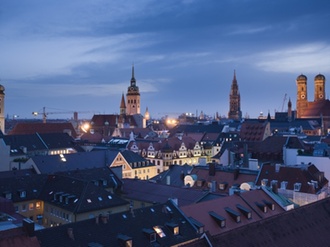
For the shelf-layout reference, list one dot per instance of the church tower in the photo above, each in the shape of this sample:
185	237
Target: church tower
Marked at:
133	97
234	101
122	105
319	87
302	102
2	108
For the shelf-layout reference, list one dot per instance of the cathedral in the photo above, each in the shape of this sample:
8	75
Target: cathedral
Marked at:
319	107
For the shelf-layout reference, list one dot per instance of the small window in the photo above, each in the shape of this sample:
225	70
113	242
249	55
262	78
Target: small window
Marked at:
31	206
284	184
297	186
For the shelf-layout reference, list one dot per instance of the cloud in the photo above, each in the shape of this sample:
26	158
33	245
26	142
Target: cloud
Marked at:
305	58
248	30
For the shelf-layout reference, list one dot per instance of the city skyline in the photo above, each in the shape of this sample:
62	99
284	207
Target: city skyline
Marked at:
78	55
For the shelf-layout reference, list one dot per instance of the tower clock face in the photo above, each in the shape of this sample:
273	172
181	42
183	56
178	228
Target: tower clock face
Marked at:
302	96
321	96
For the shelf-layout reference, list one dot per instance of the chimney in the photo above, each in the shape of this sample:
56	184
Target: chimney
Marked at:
70	233
211	169
28	227
236	173
104	219
275	187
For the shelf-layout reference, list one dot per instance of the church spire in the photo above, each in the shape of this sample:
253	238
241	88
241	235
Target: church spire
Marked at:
133	81
122	105
234	101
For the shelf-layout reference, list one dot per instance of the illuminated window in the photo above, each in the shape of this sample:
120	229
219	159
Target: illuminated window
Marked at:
31	206
38	205
159	231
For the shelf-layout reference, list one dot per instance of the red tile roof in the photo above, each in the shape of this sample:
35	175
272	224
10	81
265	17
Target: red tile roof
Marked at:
248	200
22	128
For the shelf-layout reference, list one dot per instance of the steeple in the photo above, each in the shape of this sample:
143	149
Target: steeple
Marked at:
122	105
133	97
234	101
133	81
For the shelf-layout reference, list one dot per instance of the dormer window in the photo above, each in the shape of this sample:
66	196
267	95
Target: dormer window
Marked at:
297	186
150	234
124	240
174	228
7	195
223	185
22	193
284	184
264	182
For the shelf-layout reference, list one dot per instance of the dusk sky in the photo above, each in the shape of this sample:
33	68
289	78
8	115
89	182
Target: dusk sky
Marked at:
77	55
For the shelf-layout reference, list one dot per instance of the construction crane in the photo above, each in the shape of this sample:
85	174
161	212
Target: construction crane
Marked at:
44	113
284	100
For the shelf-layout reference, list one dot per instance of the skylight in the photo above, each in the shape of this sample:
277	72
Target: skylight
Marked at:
159	231
89	200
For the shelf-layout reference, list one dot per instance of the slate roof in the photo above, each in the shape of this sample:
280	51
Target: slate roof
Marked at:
31	143
59	141
134	225
17	143
30	184
196	128
49	164
303	174
97	176
83	196
143	190
304	226
132	157
251	201
175	173
24	128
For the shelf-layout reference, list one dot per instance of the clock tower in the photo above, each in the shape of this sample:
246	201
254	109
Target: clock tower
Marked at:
302	102
133	97
234	101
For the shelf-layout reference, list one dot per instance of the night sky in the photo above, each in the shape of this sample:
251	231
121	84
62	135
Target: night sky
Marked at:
77	55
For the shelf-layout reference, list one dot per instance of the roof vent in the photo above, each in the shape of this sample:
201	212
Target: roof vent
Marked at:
219	219
247	212
269	204
262	207
234	214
